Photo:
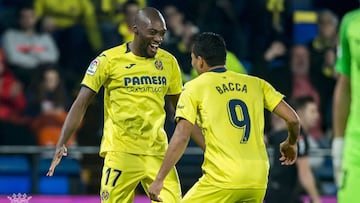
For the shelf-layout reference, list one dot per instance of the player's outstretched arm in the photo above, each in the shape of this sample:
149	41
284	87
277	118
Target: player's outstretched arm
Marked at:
71	123
288	148
174	152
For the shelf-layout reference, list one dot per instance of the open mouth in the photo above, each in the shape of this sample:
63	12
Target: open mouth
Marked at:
154	47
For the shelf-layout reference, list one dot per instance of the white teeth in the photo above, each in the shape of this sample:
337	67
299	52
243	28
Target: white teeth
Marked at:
155	45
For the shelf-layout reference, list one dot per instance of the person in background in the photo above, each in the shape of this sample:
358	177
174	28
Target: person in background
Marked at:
14	124
229	108
346	109
47	105
322	51
283	180
130	8
25	48
74	28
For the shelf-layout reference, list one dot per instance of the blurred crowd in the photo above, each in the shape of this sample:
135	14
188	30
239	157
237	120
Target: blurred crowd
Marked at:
46	46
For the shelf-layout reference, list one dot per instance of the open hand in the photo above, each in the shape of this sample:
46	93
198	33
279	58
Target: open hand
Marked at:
288	153
59	153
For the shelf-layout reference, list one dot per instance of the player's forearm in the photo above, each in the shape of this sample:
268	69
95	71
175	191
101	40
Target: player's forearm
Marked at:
293	131
175	150
292	120
341	106
73	119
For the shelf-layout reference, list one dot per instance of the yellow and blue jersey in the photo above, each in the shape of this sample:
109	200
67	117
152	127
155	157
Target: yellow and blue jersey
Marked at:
134	91
229	107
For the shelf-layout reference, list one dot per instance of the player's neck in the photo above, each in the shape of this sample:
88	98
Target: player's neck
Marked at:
215	67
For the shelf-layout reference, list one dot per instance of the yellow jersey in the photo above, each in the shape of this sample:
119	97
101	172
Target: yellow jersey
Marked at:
134	91
229	108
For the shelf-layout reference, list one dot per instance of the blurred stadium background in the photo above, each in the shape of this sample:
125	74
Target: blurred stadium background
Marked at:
248	26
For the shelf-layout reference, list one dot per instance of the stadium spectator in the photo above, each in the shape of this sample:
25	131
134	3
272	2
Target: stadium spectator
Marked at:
47	93
283	180
74	27
25	48
130	8
322	54
294	81
14	124
47	105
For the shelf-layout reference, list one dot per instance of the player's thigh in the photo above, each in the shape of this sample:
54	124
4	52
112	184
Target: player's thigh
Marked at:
171	192
350	183
212	194
118	181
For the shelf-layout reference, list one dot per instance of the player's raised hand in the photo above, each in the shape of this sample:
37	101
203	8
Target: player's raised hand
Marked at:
154	190
59	153
288	153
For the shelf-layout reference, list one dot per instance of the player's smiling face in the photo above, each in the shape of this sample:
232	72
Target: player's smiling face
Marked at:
151	36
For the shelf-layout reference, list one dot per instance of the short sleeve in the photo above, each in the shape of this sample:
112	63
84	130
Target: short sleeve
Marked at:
187	106
271	97
97	73
343	54
176	80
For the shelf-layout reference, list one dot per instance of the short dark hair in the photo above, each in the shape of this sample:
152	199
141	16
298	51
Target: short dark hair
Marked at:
211	47
299	103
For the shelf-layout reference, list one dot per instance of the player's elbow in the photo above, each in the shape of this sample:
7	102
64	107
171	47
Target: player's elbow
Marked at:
293	120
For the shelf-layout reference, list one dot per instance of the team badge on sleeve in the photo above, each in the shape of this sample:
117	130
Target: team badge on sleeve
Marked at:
93	67
158	64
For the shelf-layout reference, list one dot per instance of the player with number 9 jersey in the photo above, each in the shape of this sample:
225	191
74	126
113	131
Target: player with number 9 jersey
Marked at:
229	108
235	155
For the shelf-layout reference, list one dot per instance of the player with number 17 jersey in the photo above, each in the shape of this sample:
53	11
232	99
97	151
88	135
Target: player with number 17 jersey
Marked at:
134	91
235	155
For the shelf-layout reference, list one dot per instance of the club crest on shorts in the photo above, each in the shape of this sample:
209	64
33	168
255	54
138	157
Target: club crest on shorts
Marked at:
93	67
158	64
105	195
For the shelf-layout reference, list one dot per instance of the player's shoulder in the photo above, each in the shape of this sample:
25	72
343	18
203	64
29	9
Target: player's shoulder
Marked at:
114	52
349	16
162	53
245	77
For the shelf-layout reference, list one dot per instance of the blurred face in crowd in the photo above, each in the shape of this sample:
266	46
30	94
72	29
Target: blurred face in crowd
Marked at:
309	115
130	13
300	60
327	24
51	80
27	19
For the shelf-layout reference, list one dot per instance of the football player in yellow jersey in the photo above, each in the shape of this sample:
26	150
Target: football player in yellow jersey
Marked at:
229	107
136	77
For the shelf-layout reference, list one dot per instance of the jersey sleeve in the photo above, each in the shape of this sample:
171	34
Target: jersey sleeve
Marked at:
176	80
187	106
97	73
343	54
271	97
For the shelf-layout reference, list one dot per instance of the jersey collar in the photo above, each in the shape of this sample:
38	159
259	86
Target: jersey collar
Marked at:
218	70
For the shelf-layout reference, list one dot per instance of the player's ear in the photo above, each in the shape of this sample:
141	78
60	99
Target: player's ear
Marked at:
135	29
202	61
